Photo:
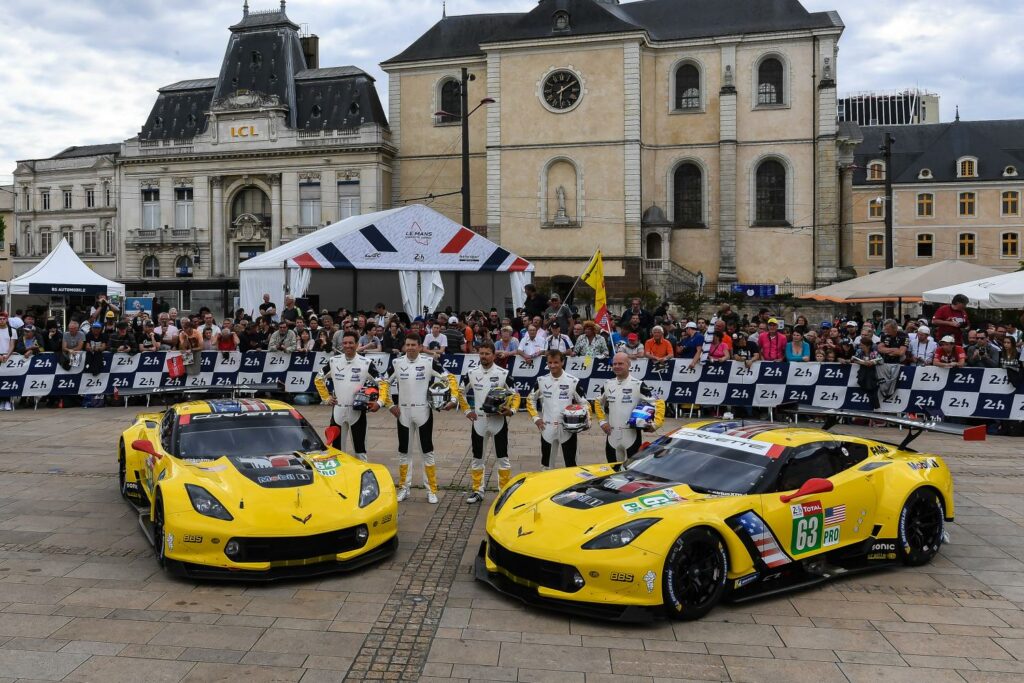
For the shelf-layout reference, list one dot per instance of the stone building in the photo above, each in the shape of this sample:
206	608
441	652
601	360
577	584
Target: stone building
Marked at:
956	194
679	136
6	239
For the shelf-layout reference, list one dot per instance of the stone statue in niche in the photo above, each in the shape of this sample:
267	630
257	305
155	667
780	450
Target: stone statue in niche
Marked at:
727	78
561	216
827	75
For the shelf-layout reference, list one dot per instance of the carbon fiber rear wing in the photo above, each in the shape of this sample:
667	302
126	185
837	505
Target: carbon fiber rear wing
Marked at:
915	427
223	389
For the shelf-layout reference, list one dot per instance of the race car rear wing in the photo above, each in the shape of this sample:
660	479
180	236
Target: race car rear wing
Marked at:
915	427
227	389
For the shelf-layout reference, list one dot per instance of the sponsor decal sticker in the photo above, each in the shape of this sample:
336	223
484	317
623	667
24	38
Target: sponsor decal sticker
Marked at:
746	580
830	536
622	577
927	464
191	538
169	539
808	522
649	578
652	501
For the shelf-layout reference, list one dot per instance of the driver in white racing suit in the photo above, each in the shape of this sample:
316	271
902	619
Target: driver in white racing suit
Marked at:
619	396
480	381
349	372
406	391
554	392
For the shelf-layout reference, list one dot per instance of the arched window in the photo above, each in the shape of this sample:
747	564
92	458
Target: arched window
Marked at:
687	87
183	266
150	267
771	193
561	20
251	200
968	167
653	249
688	200
769	82
876	170
925	245
451	102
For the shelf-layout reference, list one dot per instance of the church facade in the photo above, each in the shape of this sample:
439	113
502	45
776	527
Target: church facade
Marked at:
688	140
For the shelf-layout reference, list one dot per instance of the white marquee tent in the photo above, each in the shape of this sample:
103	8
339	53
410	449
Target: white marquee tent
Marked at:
361	259
1000	291
62	273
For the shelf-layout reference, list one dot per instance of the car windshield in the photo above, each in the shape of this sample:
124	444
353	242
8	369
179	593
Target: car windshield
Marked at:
209	436
706	466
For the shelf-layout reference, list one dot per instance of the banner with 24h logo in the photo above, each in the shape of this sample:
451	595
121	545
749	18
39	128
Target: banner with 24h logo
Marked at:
964	392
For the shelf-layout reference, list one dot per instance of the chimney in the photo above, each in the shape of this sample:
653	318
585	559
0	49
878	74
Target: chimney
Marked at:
311	51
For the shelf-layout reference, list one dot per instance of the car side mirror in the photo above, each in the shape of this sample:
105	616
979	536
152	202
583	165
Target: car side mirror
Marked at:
810	487
332	434
146	446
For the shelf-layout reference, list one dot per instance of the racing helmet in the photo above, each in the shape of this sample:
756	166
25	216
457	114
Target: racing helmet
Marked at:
497	398
369	393
439	394
575	418
642	416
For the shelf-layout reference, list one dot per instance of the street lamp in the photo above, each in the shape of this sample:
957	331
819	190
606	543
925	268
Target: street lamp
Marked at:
464	94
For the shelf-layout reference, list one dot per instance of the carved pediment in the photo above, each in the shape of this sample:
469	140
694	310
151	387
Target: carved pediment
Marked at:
245	99
248	227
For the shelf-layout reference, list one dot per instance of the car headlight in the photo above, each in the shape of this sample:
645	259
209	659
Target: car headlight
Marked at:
369	489
204	503
622	535
506	494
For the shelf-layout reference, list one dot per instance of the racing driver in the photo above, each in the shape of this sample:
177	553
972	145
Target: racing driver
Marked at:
350	372
406	390
620	395
555	392
482	380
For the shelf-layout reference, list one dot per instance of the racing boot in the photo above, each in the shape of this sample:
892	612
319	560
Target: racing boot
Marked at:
403	490
362	456
431	471
504	474
477	494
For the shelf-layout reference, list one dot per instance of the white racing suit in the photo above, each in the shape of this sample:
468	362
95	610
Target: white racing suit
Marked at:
547	401
616	403
480	382
407	386
348	377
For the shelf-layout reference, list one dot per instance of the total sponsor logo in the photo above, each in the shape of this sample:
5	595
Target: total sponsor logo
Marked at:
806	509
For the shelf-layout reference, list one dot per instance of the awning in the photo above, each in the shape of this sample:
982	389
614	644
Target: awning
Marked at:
903	283
62	273
1001	291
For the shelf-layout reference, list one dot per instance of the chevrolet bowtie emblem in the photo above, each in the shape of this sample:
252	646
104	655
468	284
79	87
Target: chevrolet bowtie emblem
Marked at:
524	533
301	519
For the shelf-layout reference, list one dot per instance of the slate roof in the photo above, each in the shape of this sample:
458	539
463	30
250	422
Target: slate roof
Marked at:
662	20
88	151
938	146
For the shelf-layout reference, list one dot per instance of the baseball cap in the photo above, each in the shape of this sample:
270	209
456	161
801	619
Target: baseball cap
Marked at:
632	337
453	320
948	339
554	297
825	324
773	321
28	328
851	323
925	329
97	326
110	314
691	325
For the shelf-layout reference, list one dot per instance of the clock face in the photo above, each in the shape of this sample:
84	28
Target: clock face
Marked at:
562	90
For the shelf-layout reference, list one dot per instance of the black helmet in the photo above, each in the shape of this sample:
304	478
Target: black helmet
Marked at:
497	398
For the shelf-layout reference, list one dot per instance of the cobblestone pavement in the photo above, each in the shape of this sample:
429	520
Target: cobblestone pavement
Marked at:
81	598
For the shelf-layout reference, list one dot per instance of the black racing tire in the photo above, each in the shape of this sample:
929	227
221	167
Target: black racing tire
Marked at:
158	530
695	574
921	527
122	470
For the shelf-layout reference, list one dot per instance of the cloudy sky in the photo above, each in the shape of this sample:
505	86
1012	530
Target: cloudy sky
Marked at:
86	71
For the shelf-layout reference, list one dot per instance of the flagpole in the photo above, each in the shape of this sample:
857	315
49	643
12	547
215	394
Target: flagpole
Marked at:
580	276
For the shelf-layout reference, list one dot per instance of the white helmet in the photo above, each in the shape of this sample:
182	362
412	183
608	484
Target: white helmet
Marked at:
439	394
575	418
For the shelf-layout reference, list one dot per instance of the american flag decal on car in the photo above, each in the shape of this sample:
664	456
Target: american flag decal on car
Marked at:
767	547
835	515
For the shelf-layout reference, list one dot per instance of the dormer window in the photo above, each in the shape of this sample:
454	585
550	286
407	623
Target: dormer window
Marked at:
1010	172
967	167
876	170
561	21
925	174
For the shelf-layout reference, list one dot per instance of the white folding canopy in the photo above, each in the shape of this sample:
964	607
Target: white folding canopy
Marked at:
62	273
415	242
1001	291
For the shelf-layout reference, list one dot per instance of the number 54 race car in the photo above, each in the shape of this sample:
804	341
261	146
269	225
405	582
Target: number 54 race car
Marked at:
718	509
245	489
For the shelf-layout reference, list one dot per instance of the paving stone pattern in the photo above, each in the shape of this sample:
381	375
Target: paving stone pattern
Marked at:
81	598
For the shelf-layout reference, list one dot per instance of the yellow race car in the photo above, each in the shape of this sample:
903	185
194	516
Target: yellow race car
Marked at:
718	509
245	489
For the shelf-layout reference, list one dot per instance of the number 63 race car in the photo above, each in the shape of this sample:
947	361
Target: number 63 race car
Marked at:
245	489
718	509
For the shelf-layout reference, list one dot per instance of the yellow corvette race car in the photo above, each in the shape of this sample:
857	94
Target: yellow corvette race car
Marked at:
245	489
717	509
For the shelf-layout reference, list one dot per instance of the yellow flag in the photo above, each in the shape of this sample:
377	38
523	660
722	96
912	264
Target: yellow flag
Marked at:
594	277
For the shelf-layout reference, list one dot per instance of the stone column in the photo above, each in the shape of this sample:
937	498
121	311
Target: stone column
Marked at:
275	210
727	160
846	269
218	240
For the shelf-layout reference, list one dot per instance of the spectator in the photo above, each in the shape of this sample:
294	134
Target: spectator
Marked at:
227	340
892	345
283	339
305	342
268	309
122	341
718	351
435	343
291	312
772	343
209	341
16	322
691	346
95	345
393	340
29	344
455	335
644	320
556	341
922	347
589	343
102	307
147	340
981	354
167	333
798	350
866	353
534	304
726	314
1009	358
8	338
531	345
72	346
383	317
576	333
369	342
657	348
322	342
632	347
949	354
744	350
951	319
619	335
506	347
719	326
801	325
558	312
53	338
